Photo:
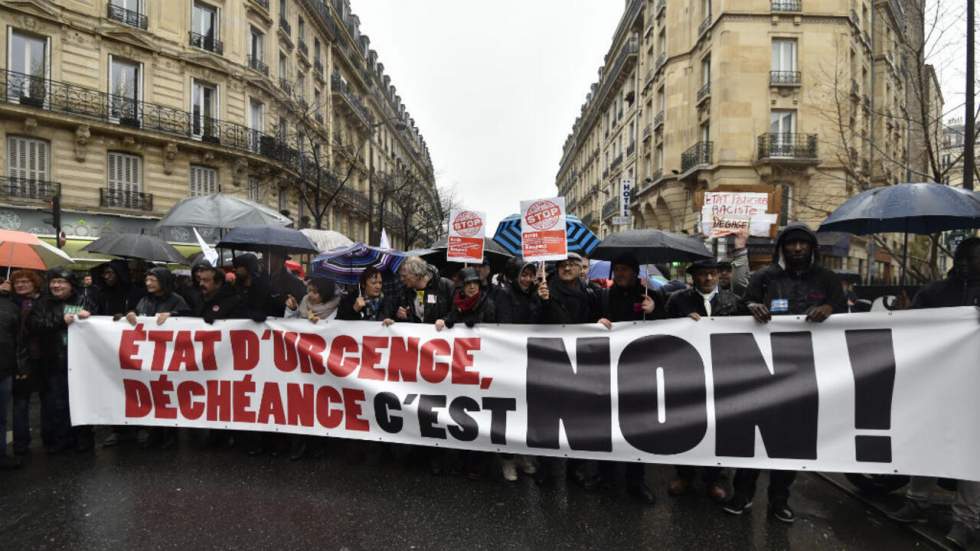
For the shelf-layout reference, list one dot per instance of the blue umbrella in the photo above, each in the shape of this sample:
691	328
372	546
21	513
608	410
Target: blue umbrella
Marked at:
906	208
263	238
581	240
345	265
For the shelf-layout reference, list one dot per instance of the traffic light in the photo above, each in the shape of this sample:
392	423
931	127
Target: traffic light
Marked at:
55	219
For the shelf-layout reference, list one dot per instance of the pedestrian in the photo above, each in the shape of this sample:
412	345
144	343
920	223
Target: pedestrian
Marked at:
49	320
320	301
116	295
28	380
566	300
369	303
282	282
795	284
253	289
629	300
705	298
960	288
162	302
517	302
9	332
425	297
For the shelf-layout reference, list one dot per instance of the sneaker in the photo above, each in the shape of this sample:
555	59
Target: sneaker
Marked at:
737	505
509	469
781	511
961	536
528	465
911	512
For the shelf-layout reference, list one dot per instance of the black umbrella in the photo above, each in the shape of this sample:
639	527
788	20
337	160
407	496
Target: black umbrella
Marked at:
135	245
492	251
906	208
652	246
264	238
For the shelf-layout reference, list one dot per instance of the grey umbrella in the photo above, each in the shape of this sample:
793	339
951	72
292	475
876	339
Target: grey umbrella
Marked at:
652	246
263	238
134	245
221	211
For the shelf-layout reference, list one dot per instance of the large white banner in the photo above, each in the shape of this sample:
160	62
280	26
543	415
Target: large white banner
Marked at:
877	393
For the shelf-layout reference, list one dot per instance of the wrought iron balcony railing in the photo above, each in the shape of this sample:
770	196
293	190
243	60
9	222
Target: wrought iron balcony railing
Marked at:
699	154
303	48
658	120
285	26
618	160
206	42
630	149
28	188
661	61
705	25
341	89
788	146
785	78
263	3
787	5
256	64
647	132
126	17
286	85
610	208
661	5
120	199
318	68
704	92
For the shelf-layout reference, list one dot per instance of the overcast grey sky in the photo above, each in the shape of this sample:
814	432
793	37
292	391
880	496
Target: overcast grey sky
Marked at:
493	86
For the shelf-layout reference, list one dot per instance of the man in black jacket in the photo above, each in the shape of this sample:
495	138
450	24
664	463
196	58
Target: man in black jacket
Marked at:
219	300
793	285
517	301
117	295
960	288
705	298
9	329
253	289
628	300
48	322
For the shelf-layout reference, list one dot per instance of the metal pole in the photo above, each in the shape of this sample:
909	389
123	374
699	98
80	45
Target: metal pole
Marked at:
969	160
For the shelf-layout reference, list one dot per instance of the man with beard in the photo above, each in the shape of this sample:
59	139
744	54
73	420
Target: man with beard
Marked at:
793	285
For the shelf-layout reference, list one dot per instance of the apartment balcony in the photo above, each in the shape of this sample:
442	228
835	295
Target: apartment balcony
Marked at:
704	26
303	48
610	208
616	74
286	85
698	155
263	3
588	220
318	68
126	17
206	42
28	189
647	132
618	160
704	93
350	101
285	27
854	18
658	120
896	10
630	149
791	6
797	148
866	37
661	6
258	65
129	200
785	78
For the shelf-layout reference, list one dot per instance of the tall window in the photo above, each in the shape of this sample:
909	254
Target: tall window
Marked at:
317	104
125	175
283	66
706	71
256	122
783	55
316	49
301	86
124	88
204	108
204	23
283	200
705	132
301	29
254	189
28	62
255	44
782	126
27	166
705	9
204	180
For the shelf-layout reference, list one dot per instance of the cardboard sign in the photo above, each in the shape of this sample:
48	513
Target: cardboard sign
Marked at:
543	234
728	213
466	232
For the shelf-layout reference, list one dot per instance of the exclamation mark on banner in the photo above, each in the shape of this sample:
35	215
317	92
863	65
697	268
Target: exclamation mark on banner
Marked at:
873	363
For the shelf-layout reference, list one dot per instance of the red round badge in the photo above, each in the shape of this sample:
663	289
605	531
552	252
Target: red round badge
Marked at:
467	224
542	215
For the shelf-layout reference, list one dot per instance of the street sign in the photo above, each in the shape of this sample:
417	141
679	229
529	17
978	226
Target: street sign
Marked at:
622	220
625	195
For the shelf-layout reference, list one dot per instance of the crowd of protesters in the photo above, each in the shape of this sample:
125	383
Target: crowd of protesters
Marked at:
36	310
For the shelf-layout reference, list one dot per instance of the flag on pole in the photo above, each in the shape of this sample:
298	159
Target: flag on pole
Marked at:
385	244
210	254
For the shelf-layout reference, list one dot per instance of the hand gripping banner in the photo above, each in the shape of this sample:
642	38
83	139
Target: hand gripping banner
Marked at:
876	393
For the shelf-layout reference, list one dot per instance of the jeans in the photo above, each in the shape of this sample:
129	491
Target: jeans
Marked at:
779	483
6	397
966	508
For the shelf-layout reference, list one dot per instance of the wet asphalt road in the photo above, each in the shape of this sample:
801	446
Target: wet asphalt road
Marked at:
192	498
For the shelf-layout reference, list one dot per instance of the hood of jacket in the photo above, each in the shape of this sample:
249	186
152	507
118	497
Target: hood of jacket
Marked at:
166	279
796	229
121	269
248	261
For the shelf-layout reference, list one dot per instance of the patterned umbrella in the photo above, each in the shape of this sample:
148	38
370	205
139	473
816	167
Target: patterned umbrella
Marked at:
581	240
346	265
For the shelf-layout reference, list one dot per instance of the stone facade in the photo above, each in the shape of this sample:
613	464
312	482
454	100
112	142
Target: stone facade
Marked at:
124	107
803	99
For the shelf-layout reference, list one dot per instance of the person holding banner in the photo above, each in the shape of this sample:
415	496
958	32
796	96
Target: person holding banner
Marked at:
48	322
960	288
426	297
566	300
27	285
319	303
628	300
793	285
705	298
370	302
471	304
9	329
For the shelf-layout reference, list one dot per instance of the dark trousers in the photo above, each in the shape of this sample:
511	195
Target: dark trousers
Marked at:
6	384
710	475
63	436
635	472
779	483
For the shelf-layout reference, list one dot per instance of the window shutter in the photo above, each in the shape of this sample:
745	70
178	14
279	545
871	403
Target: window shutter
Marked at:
27	158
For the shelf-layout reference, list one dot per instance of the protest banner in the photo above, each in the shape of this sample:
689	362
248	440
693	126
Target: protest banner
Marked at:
728	213
879	393
543	232
467	229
